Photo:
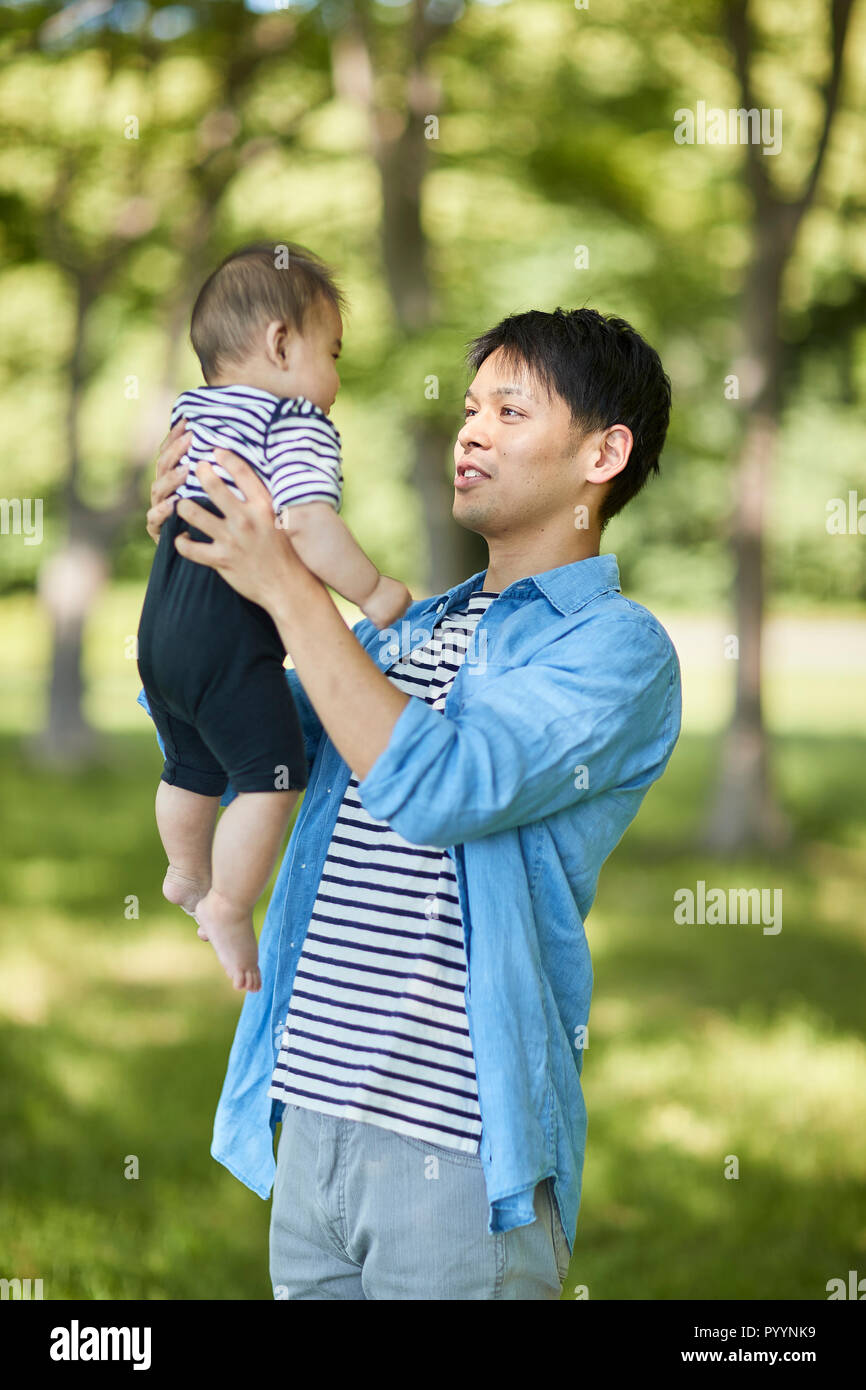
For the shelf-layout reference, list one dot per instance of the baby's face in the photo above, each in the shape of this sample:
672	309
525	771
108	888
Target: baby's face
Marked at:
312	356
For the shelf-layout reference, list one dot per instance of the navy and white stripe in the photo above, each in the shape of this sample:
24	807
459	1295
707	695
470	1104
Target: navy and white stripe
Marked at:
290	442
377	1027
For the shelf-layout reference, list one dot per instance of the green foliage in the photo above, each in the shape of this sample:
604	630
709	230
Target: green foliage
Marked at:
555	132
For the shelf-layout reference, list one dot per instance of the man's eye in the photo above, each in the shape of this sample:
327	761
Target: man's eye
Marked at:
510	410
467	411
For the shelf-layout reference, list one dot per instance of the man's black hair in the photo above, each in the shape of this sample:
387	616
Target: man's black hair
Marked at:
606	374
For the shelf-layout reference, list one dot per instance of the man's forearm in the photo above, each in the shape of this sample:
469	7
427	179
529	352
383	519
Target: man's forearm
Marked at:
356	703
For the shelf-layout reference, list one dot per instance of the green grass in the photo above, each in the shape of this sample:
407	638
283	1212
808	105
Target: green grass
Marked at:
709	1041
115	1036
704	1042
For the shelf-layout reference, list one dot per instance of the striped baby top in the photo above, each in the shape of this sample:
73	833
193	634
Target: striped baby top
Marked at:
290	442
377	1027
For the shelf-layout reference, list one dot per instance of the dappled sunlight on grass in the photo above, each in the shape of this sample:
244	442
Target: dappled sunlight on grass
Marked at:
704	1041
38	978
744	1082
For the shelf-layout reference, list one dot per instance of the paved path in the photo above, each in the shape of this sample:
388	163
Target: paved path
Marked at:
792	644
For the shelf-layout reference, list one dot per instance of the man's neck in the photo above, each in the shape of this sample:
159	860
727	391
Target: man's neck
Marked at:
513	559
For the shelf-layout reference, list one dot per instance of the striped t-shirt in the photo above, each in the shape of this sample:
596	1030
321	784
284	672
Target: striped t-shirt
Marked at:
290	442
377	1027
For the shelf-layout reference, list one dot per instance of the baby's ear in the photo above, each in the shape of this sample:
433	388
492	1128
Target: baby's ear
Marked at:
278	336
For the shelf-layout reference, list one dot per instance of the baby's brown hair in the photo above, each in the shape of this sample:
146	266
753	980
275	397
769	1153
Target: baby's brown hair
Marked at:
256	284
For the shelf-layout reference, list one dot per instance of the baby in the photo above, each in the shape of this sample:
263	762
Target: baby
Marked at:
267	330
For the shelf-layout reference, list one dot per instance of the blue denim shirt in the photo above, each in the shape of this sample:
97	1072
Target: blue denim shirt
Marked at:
565	711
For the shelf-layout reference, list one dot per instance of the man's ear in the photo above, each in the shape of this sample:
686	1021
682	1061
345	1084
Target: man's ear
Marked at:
610	453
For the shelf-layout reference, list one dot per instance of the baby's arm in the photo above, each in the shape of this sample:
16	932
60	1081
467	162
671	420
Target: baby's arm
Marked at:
328	548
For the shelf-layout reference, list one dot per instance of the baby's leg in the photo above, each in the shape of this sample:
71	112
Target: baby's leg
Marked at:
245	848
186	824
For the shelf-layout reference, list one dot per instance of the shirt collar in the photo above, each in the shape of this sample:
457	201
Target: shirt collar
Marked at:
567	588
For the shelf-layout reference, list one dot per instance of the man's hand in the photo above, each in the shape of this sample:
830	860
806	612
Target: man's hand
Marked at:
170	472
248	547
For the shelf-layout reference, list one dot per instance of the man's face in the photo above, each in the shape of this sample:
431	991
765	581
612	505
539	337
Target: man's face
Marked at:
526	448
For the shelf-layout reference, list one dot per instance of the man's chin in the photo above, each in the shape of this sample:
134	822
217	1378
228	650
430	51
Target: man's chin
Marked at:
471	517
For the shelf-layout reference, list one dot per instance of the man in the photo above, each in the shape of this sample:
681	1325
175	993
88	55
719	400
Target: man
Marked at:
426	978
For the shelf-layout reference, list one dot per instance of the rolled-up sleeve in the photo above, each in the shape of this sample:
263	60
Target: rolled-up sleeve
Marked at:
597	711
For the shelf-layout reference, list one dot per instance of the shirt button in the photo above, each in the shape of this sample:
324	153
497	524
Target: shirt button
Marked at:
303	866
440	607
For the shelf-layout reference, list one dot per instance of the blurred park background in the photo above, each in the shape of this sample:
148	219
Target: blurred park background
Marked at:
454	162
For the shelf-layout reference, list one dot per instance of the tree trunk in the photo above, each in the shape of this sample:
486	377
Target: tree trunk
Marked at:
69	584
745	814
401	151
745	811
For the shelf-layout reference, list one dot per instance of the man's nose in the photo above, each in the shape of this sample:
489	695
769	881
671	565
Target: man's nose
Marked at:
472	433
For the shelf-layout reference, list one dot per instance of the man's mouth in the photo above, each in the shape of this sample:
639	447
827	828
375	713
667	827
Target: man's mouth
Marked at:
468	473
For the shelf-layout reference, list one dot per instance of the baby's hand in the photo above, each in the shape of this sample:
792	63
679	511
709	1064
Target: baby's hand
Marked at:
388	601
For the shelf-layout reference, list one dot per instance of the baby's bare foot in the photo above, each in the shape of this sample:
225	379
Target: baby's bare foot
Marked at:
230	932
183	890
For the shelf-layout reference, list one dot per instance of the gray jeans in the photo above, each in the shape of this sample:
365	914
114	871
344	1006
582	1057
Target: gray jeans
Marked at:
363	1212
